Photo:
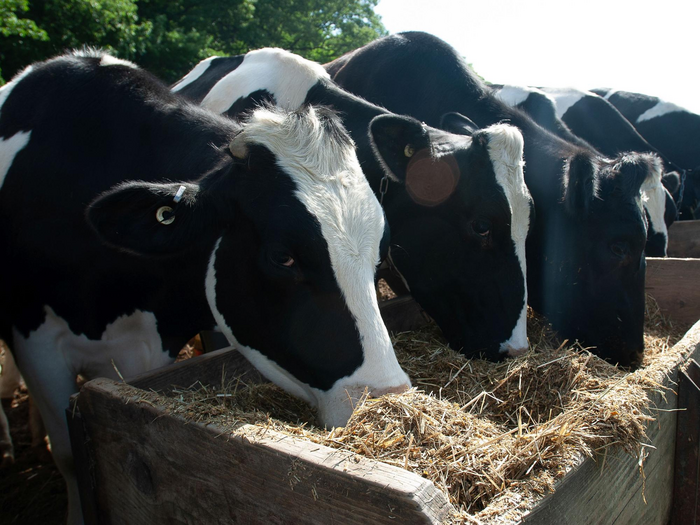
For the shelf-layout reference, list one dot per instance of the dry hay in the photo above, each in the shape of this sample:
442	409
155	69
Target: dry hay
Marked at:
493	436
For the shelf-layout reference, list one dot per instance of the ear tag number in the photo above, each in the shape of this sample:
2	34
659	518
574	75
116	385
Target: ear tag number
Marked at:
409	151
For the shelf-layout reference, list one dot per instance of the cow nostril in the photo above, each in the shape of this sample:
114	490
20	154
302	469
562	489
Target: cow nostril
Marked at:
390	390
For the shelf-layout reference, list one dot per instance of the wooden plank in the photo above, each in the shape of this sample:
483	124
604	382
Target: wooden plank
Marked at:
675	284
153	468
206	369
83	462
684	239
609	489
686	490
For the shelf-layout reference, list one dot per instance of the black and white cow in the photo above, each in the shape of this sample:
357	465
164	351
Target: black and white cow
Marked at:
585	254
457	205
672	130
539	106
267	229
586	119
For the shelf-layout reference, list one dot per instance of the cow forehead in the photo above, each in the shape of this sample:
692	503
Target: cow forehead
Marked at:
319	157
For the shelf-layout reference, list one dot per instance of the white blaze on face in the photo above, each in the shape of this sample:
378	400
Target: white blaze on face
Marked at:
332	187
505	147
287	77
193	75
654	199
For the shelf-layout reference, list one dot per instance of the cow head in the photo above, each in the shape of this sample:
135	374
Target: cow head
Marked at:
660	209
591	256
292	234
459	223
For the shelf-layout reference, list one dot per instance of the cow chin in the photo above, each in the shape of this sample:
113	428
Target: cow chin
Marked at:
337	405
617	352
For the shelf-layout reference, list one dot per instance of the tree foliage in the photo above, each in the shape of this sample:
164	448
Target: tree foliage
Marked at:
169	36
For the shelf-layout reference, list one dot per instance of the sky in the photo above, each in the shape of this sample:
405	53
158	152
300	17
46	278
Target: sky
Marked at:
632	45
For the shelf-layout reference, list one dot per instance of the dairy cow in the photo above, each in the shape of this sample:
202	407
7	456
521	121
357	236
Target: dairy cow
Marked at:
457	205
585	254
539	106
671	129
586	119
130	219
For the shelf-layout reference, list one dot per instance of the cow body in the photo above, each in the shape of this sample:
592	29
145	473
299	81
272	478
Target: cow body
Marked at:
672	130
539	106
267	229
585	252
584	118
457	205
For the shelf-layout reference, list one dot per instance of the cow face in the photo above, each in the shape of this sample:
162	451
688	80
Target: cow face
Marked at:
459	225
593	258
296	232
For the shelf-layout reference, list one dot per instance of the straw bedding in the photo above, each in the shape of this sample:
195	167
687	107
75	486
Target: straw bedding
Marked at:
493	436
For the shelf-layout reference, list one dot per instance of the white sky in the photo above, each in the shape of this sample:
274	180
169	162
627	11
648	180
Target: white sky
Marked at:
633	45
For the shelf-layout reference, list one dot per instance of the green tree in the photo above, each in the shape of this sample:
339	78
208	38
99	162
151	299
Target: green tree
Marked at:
11	25
65	24
319	30
169	36
186	31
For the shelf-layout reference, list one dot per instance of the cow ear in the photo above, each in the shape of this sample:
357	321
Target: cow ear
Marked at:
580	184
458	124
395	139
637	172
671	181
151	219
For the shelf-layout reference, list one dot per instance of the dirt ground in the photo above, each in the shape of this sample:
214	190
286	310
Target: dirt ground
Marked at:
32	490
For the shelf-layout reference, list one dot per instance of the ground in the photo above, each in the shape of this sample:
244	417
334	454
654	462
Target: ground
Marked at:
32	490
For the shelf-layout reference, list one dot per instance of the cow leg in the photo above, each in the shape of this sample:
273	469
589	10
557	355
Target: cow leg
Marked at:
9	381
51	381
10	377
7	450
36	425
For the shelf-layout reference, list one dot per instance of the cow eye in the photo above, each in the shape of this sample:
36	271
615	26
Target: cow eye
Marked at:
620	249
481	227
282	259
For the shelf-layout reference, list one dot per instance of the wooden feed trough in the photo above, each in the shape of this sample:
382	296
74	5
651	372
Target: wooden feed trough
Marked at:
139	464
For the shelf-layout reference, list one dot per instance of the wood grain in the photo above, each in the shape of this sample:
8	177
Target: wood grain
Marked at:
609	489
684	239
154	468
675	284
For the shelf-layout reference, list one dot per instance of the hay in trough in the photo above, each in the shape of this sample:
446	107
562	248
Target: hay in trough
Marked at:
494	437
